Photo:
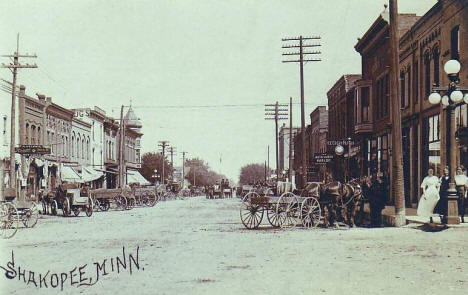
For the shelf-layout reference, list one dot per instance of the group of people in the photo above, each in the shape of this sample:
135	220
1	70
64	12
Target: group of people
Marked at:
375	189
435	193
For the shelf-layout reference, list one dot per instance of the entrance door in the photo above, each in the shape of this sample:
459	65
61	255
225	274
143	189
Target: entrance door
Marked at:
406	165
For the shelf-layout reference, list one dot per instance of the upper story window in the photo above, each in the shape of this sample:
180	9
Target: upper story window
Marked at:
427	75
436	57
365	101
403	89
455	43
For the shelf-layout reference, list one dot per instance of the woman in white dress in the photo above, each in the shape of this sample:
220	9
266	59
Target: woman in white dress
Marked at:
430	187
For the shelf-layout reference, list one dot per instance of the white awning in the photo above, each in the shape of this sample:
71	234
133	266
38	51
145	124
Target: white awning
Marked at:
68	174
39	162
134	176
89	174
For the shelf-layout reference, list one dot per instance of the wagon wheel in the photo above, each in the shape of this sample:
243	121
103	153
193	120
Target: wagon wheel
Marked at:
121	203
96	205
274	218
89	207
8	220
151	199
103	204
144	199
53	207
66	210
310	212
31	215
288	210
251	214
76	211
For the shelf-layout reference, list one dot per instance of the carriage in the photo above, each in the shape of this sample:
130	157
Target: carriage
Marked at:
118	198
14	211
145	195
286	207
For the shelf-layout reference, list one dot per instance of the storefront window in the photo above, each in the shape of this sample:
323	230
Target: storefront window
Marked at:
434	144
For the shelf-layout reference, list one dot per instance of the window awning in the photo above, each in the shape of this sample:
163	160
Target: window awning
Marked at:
68	174
89	174
134	176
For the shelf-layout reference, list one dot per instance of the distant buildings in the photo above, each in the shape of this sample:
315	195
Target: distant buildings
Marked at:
83	147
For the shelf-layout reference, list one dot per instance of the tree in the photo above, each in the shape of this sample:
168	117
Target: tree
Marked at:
150	162
252	173
200	173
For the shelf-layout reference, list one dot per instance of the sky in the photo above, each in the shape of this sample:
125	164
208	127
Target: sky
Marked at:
197	73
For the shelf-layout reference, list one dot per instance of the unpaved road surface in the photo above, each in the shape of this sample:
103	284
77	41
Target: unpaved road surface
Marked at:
199	246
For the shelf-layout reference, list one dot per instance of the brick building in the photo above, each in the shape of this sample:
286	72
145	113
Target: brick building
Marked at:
341	124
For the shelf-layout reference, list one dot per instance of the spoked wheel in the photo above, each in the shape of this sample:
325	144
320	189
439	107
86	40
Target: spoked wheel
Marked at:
251	214
121	203
31	215
104	204
288	210
8	220
53	207
273	218
66	209
89	207
96	205
151	200
310	212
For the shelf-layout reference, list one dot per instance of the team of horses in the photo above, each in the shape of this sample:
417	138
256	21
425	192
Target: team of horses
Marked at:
339	201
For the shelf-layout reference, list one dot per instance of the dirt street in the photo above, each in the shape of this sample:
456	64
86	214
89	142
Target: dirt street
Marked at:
199	246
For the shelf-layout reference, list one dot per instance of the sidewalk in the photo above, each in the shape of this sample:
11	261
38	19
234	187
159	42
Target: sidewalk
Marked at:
388	216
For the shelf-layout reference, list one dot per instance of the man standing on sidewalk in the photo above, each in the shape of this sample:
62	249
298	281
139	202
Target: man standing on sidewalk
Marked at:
377	199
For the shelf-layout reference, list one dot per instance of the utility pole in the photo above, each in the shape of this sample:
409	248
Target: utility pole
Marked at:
301	61
163	144
172	151
399	193
14	69
265	171
183	168
279	114
290	141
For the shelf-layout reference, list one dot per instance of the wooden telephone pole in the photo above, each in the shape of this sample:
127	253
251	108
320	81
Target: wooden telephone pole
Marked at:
183	168
163	144
301	61
172	151
14	66
399	192
277	115
290	168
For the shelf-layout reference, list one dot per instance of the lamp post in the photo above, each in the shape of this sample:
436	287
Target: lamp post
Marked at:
453	94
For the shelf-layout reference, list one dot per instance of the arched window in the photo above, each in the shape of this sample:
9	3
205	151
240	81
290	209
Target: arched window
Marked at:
77	146
83	148
39	136
436	57
427	74
73	145
27	134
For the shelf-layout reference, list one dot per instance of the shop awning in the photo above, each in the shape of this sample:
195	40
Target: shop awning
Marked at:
68	174
134	176
89	174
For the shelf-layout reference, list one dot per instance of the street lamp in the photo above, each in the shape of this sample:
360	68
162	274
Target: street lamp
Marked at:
453	94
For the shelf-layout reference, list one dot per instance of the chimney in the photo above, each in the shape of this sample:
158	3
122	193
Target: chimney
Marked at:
49	99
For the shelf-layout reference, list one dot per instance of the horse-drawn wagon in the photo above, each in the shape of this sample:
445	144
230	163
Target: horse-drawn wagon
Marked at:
119	198
317	204
13	211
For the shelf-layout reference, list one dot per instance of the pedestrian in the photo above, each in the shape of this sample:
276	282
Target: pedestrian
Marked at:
377	200
441	207
461	182
430	187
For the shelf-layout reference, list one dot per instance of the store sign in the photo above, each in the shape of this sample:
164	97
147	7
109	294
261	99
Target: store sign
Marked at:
340	142
32	150
322	158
